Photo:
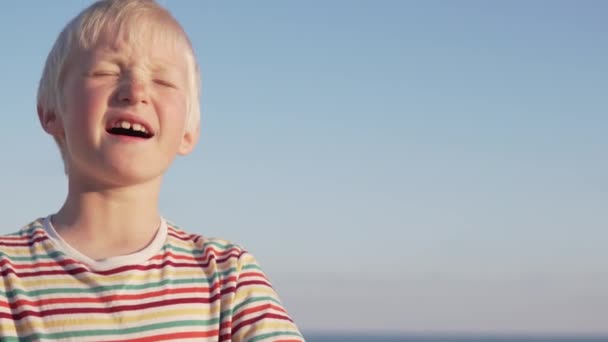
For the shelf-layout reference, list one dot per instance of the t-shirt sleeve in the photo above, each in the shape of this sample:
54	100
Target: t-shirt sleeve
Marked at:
258	314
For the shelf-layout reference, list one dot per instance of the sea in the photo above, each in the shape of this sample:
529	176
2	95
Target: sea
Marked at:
448	338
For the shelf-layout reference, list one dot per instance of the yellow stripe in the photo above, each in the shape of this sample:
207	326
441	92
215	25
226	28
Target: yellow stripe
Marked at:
181	244
190	245
61	280
266	324
107	321
257	290
40	248
25	251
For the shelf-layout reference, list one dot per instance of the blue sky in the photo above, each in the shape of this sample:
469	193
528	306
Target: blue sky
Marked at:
406	166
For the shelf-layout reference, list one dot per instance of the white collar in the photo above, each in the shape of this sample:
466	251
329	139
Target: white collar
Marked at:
136	258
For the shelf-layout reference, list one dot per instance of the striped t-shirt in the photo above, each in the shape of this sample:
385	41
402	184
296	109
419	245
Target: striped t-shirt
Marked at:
180	287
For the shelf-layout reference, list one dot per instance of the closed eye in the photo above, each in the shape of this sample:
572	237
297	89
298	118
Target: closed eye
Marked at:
165	83
104	73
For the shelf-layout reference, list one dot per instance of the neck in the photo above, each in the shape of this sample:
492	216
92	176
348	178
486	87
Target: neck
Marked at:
106	222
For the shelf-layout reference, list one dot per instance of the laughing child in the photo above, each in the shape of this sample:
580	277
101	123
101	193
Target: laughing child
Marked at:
119	94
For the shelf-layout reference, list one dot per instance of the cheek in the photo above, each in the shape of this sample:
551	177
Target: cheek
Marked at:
80	116
83	104
174	115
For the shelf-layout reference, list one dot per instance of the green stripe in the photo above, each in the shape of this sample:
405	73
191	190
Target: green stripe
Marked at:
217	244
35	293
252	300
34	257
273	334
199	250
57	255
124	331
14	339
252	266
182	250
30	230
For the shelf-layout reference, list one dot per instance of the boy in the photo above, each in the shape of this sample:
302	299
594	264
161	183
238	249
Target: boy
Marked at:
119	94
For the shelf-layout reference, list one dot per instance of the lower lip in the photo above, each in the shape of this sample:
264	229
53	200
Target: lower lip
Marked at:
128	139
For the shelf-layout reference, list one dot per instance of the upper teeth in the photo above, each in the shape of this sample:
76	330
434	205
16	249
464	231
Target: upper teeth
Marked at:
128	125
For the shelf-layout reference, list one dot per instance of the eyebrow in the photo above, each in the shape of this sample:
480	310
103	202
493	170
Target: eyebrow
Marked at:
115	58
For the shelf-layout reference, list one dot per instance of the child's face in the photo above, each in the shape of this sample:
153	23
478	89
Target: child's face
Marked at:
124	109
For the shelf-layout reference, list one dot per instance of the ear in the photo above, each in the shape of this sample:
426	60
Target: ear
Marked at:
189	140
50	122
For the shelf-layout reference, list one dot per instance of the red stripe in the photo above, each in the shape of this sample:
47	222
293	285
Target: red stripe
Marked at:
204	257
252	282
167	254
116	270
180	234
254	320
23	244
174	336
23	237
186	237
226	336
199	258
209	250
114	309
182	237
108	299
159	266
41	273
14	237
252	274
36	265
258	309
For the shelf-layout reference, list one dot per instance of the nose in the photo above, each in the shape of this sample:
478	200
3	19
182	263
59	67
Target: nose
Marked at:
132	91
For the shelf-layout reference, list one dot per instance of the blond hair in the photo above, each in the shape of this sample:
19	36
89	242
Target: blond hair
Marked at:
111	16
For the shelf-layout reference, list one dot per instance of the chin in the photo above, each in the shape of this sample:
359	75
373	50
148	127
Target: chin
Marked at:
132	175
117	173
133	178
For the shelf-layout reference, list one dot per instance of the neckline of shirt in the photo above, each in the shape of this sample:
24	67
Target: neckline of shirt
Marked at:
112	262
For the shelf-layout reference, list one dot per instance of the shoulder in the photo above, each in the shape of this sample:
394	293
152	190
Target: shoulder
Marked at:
219	249
33	228
22	251
23	240
230	259
255	307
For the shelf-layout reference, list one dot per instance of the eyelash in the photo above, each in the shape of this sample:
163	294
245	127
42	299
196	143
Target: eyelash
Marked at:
116	74
104	73
165	83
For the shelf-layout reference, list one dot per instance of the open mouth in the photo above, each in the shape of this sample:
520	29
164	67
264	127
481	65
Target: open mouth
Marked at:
129	129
